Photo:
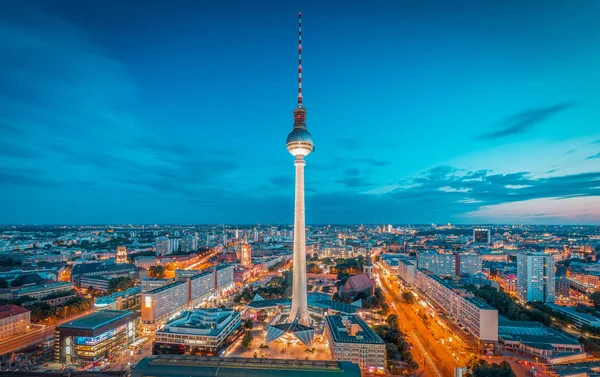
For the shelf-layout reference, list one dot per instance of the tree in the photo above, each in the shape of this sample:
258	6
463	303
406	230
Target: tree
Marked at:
248	323
157	272
408	297
120	284
392	321
595	297
247	340
384	309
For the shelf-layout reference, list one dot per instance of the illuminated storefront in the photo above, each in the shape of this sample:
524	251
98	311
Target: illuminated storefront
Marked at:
94	337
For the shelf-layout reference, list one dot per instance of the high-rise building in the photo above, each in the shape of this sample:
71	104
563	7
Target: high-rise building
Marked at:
481	235
535	277
300	144
163	246
439	263
121	255
468	263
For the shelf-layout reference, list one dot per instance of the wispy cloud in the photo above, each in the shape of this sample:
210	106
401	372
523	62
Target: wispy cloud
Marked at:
525	120
597	155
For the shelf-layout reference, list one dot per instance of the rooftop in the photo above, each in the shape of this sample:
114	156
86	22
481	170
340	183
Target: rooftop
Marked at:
339	325
197	366
97	320
10	310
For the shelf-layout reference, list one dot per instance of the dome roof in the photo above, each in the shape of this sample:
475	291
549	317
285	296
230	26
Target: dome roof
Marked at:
301	135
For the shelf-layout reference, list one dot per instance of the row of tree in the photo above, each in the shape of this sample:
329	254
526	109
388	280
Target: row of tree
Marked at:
398	349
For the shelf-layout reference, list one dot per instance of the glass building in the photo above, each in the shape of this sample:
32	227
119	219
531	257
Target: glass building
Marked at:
94	337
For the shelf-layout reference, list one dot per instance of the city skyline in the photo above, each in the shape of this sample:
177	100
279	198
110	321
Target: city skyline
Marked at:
424	113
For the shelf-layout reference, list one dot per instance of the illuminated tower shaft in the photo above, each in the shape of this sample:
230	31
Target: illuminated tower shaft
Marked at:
299	308
299	143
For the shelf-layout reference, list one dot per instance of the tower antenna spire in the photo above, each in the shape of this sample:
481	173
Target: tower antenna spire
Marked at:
300	59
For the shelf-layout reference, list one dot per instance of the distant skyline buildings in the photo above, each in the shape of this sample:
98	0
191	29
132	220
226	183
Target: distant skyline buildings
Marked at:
510	135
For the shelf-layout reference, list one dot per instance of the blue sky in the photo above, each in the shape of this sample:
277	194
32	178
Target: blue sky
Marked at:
177	111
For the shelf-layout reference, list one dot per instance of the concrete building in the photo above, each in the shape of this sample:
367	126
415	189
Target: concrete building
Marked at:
162	303
99	283
468	263
535	277
124	300
14	320
42	290
508	282
562	287
479	319
145	261
94	337
349	338
406	270
439	263
150	284
201	287
163	246
200	331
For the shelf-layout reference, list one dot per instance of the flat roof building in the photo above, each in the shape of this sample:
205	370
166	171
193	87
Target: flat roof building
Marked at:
42	290
94	337
479	318
161	303
200	330
350	339
202	366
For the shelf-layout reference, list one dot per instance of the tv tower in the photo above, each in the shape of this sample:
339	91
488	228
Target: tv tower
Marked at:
299	143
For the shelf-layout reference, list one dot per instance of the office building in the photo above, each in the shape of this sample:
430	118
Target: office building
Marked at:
468	263
482	235
150	284
349	338
121	256
99	283
110	270
200	331
42	290
479	319
535	277
162	303
201	287
14	320
127	299
94	337
406	270
439	263
202	366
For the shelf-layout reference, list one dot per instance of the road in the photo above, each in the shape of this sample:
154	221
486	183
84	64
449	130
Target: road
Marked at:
438	359
35	336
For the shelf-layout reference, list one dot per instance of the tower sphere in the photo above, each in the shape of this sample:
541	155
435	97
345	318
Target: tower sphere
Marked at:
299	142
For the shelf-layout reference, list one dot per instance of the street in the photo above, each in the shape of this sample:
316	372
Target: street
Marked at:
438	359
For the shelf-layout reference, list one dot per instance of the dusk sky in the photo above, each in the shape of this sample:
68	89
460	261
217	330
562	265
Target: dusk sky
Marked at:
421	111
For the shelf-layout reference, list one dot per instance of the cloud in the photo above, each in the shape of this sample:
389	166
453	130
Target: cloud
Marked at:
597	155
523	121
282	181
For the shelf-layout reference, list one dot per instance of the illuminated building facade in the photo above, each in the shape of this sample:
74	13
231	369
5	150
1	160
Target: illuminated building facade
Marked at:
535	277
199	331
14	320
349	338
121	255
246	257
481	235
94	337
